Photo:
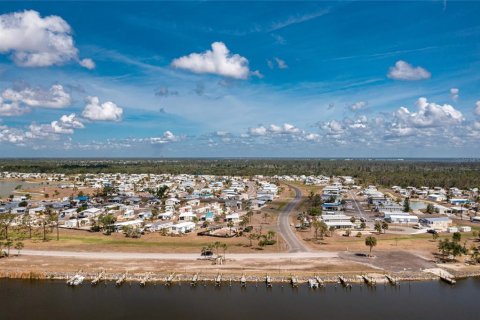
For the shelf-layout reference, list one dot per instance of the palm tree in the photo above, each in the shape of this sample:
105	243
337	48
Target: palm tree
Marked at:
8	244
384	227
251	237
249	215
316	226
378	227
371	242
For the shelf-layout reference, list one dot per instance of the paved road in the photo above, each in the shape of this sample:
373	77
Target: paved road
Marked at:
96	255
357	207
284	227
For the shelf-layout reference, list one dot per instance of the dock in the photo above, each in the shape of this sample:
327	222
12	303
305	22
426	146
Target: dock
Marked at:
144	280
344	282
218	280
392	280
448	279
243	281
294	281
194	280
312	283
121	279
98	278
369	280
170	279
268	281
320	281
76	280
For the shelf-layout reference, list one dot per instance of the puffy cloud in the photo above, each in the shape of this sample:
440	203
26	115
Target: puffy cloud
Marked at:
55	97
34	41
167	137
454	93
259	131
405	71
429	114
66	125
358	105
11	109
96	111
87	63
217	61
477	108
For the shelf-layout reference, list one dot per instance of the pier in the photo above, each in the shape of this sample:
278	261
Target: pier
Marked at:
121	279
294	281
392	280
170	279
218	280
98	278
344	282
243	281
75	280
369	280
143	281
194	280
268	281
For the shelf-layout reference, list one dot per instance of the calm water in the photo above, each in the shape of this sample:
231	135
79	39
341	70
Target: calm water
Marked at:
25	299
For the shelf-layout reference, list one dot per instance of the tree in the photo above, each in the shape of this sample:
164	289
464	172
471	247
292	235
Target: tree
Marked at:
406	205
6	220
249	215
8	244
371	242
456	237
384	226
106	222
430	209
18	246
435	236
363	225
378	227
217	245
316	226
28	223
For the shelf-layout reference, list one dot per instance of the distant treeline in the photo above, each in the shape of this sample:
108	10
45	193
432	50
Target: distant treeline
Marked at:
454	173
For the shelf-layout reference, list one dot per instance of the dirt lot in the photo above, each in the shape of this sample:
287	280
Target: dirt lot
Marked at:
153	242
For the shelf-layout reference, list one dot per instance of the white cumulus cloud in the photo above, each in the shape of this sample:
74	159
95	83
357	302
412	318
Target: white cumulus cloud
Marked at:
55	97
96	111
405	71
428	114
35	41
217	61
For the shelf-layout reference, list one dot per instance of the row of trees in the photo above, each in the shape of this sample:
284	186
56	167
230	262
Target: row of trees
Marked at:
461	174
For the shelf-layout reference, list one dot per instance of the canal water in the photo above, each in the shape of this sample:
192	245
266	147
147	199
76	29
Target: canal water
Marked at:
26	299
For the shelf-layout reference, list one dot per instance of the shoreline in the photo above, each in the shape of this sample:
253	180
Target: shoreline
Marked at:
235	277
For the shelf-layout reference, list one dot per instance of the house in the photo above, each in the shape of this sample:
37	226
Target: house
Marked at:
439	223
234	217
436	197
187	216
459	201
233	204
183	227
167	215
172	202
337	221
132	223
400	217
158	226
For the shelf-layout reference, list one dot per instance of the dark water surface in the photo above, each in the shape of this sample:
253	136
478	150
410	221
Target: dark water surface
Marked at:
25	299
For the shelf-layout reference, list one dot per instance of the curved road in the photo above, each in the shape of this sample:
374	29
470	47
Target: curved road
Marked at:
284	227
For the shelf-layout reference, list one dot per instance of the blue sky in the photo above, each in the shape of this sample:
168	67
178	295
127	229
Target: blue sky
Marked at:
240	79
